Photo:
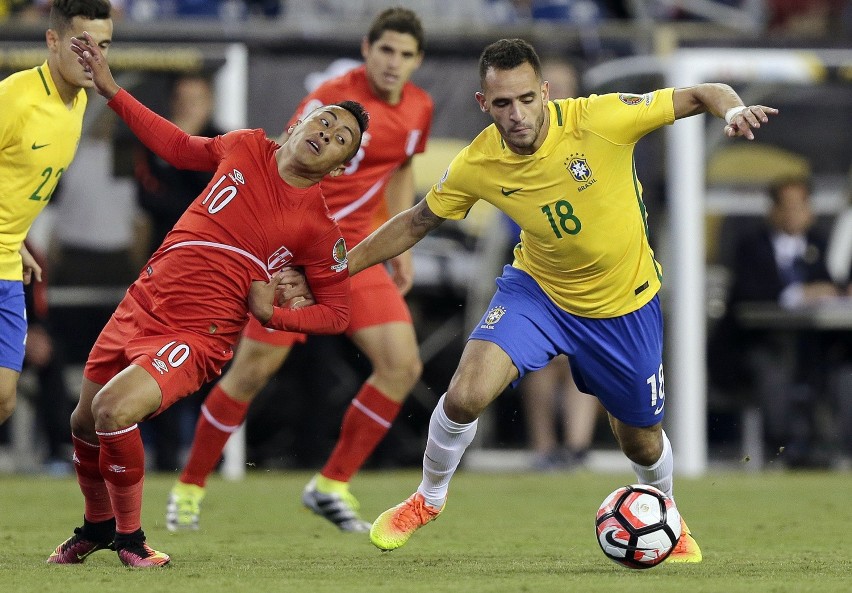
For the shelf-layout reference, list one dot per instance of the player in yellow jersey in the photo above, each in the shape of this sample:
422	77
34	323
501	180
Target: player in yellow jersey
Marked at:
40	126
584	281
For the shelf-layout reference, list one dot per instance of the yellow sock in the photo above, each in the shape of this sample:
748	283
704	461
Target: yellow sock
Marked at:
329	486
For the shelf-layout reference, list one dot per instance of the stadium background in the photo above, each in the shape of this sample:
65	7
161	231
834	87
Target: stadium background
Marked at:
286	427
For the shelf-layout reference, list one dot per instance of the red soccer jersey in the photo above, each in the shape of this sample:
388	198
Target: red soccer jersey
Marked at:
396	133
245	225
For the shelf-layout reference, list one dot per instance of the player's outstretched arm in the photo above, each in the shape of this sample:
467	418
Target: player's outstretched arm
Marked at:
723	102
161	136
94	63
398	234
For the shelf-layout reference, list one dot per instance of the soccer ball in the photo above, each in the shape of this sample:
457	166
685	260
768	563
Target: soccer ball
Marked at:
637	526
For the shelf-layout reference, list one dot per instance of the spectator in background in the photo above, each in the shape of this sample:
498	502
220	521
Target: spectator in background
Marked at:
38	10
225	10
15	8
164	192
783	261
550	396
96	236
806	17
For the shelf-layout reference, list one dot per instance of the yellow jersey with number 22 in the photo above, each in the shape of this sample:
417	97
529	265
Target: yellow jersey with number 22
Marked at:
39	135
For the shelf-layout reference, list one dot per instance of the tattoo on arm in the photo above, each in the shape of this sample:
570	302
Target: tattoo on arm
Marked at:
424	220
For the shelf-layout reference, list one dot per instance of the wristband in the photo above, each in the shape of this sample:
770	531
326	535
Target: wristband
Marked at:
733	112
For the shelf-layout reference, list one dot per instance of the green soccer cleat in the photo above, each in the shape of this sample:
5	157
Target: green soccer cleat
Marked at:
395	526
332	500
686	549
184	507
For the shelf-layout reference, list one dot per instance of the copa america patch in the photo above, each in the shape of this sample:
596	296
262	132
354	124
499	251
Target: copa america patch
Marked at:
339	255
632	99
492	317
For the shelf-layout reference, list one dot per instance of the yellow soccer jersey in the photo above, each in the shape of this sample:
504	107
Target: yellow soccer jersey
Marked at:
577	200
38	140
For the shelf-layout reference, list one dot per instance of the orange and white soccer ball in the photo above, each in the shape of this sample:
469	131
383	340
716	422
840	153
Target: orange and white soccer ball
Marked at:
637	526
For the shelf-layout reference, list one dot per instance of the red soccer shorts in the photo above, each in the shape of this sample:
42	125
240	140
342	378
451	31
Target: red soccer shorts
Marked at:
375	301
180	361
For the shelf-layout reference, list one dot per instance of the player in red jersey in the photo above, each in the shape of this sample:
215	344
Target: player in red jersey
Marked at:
381	327
174	329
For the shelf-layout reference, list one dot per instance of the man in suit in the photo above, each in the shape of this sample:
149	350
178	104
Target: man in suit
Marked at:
782	261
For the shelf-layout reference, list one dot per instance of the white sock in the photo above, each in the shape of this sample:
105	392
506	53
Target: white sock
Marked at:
658	475
444	449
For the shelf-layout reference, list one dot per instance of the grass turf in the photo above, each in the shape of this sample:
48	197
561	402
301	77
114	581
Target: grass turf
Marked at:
771	532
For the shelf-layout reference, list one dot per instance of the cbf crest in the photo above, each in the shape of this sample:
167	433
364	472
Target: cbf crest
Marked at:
578	167
492	317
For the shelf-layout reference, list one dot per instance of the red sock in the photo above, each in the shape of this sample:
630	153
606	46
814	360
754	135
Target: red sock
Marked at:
220	417
123	468
366	422
86	464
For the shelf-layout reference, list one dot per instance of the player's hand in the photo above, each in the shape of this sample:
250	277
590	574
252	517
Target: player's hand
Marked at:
95	64
262	296
746	120
402	271
294	292
30	266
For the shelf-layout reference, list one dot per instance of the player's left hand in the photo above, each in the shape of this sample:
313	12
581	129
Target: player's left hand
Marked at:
402	271
294	292
746	120
94	63
30	266
262	296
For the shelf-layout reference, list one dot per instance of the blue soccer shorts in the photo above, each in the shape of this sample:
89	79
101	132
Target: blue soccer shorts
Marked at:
13	324
618	360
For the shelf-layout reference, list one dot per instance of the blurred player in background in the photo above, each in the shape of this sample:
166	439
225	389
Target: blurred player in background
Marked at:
584	282
40	126
176	326
164	192
381	325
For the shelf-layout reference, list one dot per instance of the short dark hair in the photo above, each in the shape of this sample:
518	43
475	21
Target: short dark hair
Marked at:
780	184
62	11
361	116
401	20
508	54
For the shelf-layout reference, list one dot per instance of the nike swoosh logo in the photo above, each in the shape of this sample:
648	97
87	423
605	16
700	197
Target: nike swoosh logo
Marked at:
509	192
610	539
37	146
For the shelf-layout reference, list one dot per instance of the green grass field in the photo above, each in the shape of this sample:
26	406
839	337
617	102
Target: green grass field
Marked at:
773	532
